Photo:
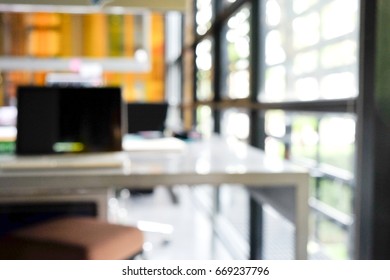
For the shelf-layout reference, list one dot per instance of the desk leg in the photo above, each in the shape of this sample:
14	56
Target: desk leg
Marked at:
255	230
215	210
301	221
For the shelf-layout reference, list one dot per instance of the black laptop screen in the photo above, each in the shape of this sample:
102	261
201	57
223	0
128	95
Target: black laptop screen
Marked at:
68	119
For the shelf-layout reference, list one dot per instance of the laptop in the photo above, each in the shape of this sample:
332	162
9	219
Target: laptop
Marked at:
57	120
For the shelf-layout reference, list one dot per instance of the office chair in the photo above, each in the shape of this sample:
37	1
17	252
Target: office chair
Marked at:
148	120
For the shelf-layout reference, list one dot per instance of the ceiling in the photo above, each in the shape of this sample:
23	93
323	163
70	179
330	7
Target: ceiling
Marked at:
85	6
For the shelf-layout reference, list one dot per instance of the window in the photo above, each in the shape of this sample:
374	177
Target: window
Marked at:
301	83
235	51
311	50
204	64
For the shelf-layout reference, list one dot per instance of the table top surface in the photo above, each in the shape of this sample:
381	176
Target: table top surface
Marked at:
200	161
213	155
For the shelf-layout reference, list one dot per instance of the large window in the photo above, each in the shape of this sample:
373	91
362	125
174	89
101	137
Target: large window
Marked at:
294	65
311	50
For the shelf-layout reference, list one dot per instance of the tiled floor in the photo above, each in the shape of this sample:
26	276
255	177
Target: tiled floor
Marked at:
183	230
191	236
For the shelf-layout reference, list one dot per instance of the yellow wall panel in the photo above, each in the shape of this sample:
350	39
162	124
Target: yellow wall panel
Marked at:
94	35
66	35
15	34
155	90
44	43
128	36
115	35
76	41
43	20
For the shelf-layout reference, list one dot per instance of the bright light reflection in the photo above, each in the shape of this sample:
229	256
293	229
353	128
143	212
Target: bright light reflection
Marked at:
274	52
338	85
203	16
300	6
236	169
242	64
343	53
203	55
204	121
306	30
148	226
273	154
204	62
307	89
239	84
202	166
237	125
337	131
339	18
242	47
141	55
273	13
275	123
305	62
307	136
239	148
275	83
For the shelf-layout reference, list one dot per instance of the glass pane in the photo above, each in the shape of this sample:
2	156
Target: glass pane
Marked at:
311	50
235	123
204	121
305	62
339	18
304	137
337	139
275	53
336	194
307	88
204	16
274	148
273	13
306	30
227	3
204	64
324	138
275	123
275	83
339	54
333	239
300	6
235	81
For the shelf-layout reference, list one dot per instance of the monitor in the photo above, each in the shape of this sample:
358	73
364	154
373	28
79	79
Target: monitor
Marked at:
68	119
143	117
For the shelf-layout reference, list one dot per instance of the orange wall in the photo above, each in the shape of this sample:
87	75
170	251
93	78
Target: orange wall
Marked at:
98	35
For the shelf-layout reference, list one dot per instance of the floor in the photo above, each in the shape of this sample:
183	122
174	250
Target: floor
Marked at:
183	230
180	231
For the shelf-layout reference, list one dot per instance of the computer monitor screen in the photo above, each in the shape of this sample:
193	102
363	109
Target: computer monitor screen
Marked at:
143	117
68	119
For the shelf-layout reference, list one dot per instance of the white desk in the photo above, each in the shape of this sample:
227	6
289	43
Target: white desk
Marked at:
212	161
